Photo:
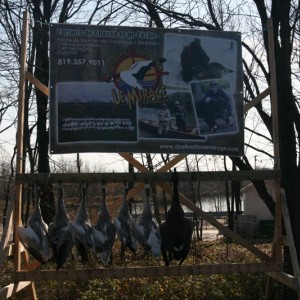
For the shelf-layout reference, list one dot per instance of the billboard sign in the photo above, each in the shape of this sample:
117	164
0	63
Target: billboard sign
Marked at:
129	89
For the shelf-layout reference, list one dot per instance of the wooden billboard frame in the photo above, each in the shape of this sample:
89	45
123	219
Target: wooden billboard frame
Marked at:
26	274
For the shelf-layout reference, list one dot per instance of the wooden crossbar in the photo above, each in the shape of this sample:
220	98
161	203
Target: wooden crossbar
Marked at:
46	178
148	271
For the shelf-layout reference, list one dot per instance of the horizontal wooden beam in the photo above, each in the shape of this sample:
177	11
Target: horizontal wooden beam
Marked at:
45	178
148	271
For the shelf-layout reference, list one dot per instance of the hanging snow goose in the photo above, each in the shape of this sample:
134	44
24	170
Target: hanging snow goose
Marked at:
81	227
123	224
146	228
35	237
104	232
60	233
176	232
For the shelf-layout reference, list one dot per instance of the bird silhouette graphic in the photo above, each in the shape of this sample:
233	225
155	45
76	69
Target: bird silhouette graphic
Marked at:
136	73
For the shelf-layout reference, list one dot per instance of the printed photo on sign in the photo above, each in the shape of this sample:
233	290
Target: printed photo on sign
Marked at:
214	107
198	58
87	113
173	119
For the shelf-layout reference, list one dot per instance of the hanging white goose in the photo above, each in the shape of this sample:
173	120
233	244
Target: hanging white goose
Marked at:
60	233
35	237
104	232
123	224
146	228
81	227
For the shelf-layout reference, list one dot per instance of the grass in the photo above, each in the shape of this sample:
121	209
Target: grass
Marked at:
214	287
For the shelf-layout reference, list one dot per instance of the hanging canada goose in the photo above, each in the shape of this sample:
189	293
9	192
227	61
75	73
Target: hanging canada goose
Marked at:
146	228
60	233
176	232
81	227
123	224
35	237
104	232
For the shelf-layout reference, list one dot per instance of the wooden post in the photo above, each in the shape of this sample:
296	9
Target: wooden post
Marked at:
289	232
20	136
6	232
20	150
274	111
277	240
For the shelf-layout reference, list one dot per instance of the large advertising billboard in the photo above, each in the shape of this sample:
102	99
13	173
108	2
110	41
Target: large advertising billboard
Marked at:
129	89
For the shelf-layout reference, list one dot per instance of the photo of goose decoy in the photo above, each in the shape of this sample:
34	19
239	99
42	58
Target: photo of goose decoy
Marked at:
176	232
123	223
59	232
136	73
146	228
81	227
35	236
104	232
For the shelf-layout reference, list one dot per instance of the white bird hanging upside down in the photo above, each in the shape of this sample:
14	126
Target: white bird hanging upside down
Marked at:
104	232
81	227
60	233
35	237
176	232
123	224
146	228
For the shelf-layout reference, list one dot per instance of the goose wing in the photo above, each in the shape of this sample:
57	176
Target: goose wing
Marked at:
124	231
33	244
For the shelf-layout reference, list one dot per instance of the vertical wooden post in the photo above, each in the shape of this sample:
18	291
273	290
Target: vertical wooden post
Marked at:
277	239
274	111
20	148
20	135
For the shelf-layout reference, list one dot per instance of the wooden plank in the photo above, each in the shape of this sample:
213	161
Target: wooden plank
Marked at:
13	288
133	161
4	249
174	161
8	250
117	203
20	148
277	246
287	279
289	234
45	178
39	85
31	288
257	99
20	137
148	271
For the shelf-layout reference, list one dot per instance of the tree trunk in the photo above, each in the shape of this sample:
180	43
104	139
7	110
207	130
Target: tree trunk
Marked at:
41	73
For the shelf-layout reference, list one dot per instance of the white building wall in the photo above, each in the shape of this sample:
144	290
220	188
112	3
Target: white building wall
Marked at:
254	205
